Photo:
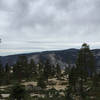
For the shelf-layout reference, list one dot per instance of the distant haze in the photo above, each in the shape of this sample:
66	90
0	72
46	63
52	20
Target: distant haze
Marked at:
40	25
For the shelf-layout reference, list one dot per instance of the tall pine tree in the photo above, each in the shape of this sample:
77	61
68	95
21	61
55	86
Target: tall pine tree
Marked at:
85	65
20	69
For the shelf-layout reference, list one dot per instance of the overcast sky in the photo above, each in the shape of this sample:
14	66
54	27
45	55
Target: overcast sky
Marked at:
39	25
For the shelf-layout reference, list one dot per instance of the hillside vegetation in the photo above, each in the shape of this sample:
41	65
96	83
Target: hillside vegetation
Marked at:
28	80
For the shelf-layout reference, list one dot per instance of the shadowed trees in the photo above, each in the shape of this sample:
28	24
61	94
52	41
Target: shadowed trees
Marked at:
58	71
18	92
85	68
20	69
85	61
1	73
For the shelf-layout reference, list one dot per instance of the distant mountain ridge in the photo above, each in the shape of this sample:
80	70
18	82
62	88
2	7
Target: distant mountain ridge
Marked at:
63	57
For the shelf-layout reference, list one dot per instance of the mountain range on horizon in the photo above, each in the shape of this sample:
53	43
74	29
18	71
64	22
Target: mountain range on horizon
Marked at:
62	57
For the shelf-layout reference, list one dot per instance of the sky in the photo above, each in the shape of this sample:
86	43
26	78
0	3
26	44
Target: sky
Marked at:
40	25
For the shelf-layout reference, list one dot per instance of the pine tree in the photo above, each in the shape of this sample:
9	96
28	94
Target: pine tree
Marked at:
53	70
1	68
7	73
58	71
73	78
7	68
1	73
85	65
47	70
20	69
30	69
17	71
40	68
33	67
85	61
41	81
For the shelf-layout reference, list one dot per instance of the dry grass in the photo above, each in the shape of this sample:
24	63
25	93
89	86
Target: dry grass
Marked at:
57	84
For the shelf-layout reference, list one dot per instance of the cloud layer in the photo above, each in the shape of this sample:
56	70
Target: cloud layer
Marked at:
38	25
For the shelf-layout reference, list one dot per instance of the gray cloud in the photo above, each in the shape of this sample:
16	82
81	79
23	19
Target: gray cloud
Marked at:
50	24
